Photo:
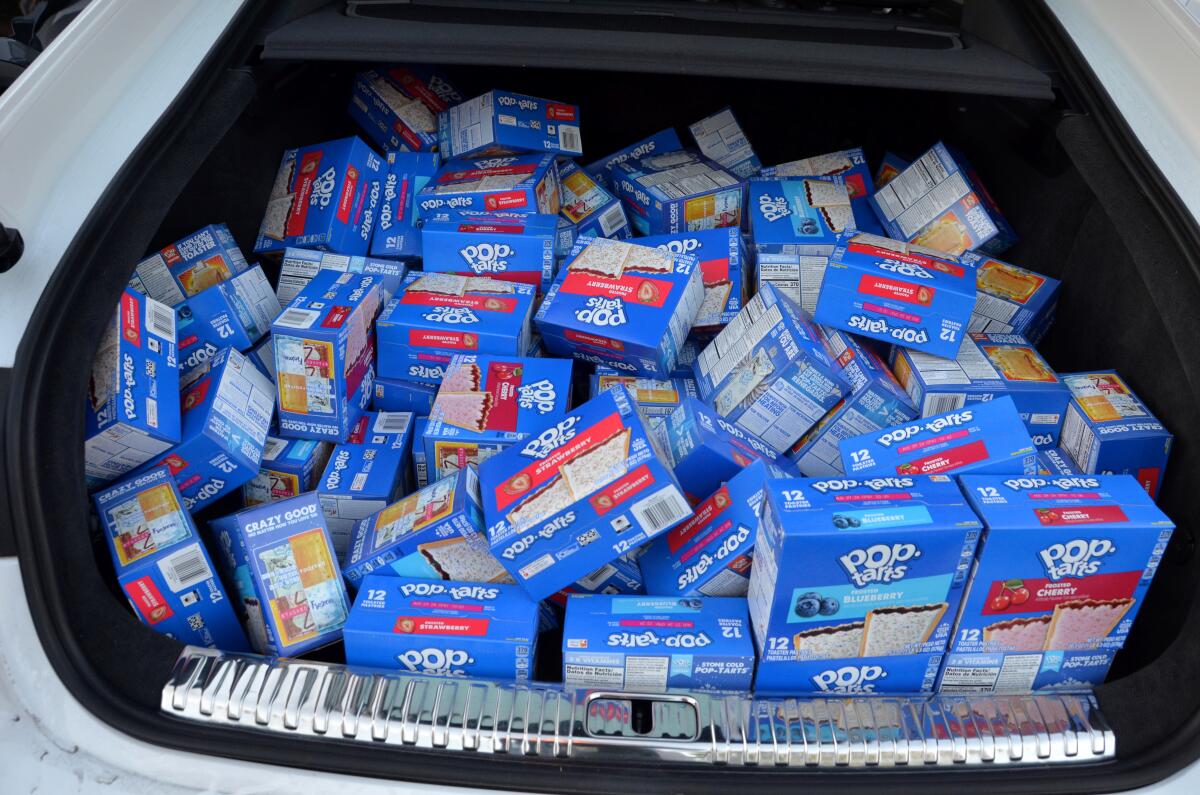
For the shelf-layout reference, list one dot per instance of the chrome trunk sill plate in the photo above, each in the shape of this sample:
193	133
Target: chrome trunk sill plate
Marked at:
388	708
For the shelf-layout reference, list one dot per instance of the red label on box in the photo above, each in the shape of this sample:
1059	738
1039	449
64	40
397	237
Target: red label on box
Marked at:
855	186
500	229
144	593
1041	595
131	321
635	289
593	340
706	539
910	258
346	200
946	460
896	495
456	340
436	625
715	270
1064	495
618	491
896	313
472	174
506	200
486	303
503	381
522	483
336	317
196	394
171	255
408	135
559	112
923	443
1148	477
1089	514
701	516
306	171
661	623
896	290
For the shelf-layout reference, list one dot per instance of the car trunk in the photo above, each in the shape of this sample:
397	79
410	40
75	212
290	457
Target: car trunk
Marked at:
1089	211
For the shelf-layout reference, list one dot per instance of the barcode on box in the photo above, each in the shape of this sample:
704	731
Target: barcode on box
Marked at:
185	569
593	580
160	319
392	422
359	482
612	219
940	404
298	318
661	510
568	138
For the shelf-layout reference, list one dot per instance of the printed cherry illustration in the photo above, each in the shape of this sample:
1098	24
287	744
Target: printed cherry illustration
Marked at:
1020	595
1001	601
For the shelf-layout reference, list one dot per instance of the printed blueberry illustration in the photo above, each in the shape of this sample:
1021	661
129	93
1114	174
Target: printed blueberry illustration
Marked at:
807	607
829	606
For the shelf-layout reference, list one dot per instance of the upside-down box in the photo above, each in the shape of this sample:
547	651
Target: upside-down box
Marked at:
720	138
398	234
577	495
289	468
856	582
397	107
299	265
652	643
189	266
507	183
1059	578
723	267
678	192
510	246
237	312
162	565
501	121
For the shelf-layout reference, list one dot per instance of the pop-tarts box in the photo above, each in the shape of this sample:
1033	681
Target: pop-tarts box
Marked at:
294	573
299	265
889	168
436	315
654	398
398	234
620	575
652	643
503	183
162	565
710	553
237	312
289	468
988	366
875	401
719	137
856	582
486	403
226	414
678	192
500	122
325	196
1012	300
795	217
366	474
395	394
324	354
510	246
986	438
704	450
1109	430
397	106
622	305
724	268
132	410
662	141
420	465
1059	579
1054	462
435	533
586	209
431	627
262	356
190	266
851	166
897	293
939	202
583	491
768	372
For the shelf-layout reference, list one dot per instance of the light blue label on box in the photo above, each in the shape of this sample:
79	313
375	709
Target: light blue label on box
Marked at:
857	602
902	516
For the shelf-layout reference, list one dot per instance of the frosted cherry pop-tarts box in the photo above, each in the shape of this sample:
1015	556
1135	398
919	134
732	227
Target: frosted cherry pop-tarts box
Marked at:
856	582
985	438
1059	578
579	493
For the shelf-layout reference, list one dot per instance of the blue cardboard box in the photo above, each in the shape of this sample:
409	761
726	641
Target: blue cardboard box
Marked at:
661	141
939	202
499	122
367	473
875	401
798	217
262	356
228	549
226	413
652	643
487	403
856	582
986	438
1109	430
298	266
503	183
325	356
654	398
587	208
626	306
189	266
680	191
510	246
325	196
1059	579
620	575
1012	300
237	312
988	366
289	468
851	166
704	450
293	569
724	268
441	628
132	409
397	106
891	292
719	137
1054	462
395	394
710	553
768	371
577	495
420	465
162	565
435	533
398	234
436	315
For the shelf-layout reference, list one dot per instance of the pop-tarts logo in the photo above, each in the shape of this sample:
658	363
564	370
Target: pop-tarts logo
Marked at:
425	371
128	376
487	257
322	189
878	563
539	396
646	639
850	679
494	162
451	315
636	153
600	311
685	246
772	208
902	334
340	462
906	269
639	195
444	662
550	439
390	195
477	593
874	484
1079	557
522	103
934	426
1064	483
452	202
728	549
444	91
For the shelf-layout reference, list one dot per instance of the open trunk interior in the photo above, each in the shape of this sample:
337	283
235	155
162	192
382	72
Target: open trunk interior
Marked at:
1088	209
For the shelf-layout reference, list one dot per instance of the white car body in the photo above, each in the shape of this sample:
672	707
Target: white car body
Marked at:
97	91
